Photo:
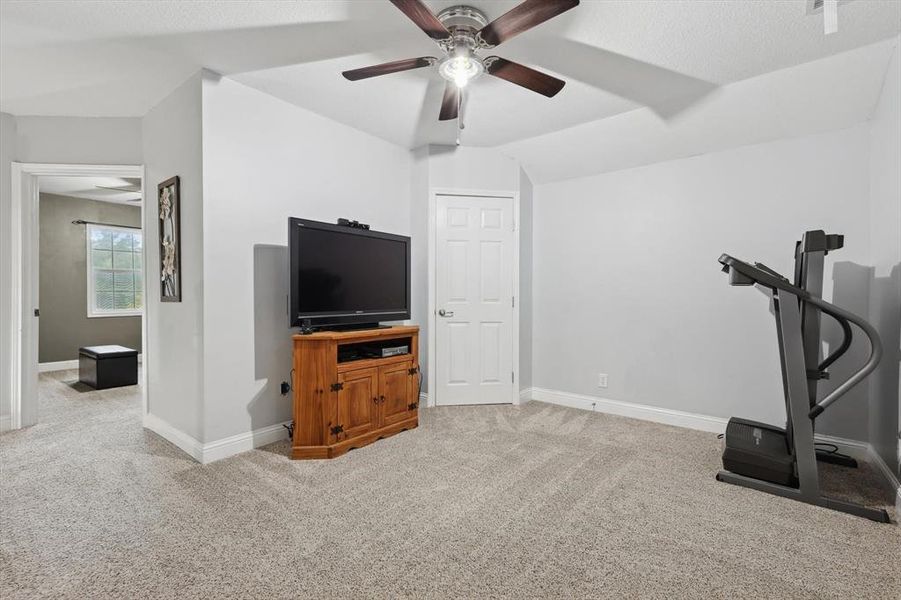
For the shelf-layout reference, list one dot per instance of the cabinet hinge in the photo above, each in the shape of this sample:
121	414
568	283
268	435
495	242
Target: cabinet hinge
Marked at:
337	386
412	405
337	429
413	370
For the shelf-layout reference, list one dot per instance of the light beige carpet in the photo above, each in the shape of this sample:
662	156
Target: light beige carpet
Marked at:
480	502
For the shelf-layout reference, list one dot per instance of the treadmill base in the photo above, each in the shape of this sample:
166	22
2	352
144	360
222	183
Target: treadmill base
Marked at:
836	459
874	514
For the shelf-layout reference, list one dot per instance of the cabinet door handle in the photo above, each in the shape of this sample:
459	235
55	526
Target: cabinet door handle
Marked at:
375	400
381	398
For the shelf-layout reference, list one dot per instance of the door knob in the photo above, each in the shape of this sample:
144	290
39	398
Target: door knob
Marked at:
445	313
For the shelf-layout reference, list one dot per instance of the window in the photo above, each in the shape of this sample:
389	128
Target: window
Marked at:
115	277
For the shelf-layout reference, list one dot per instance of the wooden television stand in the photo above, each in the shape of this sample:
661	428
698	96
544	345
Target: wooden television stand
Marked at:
344	399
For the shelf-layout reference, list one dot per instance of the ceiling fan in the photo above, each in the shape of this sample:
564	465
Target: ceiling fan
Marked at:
462	32
131	187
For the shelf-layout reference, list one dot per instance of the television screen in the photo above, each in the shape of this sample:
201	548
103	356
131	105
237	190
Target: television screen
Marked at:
344	275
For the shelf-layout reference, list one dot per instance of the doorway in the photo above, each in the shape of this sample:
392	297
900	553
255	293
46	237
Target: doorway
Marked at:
474	314
110	289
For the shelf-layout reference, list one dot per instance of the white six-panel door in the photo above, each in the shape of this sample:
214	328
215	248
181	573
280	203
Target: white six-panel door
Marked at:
474	302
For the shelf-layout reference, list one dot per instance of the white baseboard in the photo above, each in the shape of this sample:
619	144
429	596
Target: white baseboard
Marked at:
180	439
859	451
883	468
218	449
61	365
243	442
525	395
627	409
5	423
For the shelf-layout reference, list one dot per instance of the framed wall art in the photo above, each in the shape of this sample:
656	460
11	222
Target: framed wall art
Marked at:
169	200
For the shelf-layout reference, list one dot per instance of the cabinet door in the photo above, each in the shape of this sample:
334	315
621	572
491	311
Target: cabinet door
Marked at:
357	412
395	393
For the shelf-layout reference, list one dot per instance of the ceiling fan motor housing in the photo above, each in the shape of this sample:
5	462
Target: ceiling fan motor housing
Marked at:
463	23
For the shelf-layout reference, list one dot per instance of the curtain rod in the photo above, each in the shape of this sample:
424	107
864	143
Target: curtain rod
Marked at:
83	222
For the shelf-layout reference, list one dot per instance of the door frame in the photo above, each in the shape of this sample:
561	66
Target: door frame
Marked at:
432	394
23	231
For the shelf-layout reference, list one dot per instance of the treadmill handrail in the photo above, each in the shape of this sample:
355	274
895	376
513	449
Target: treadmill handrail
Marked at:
847	337
771	280
868	367
767	277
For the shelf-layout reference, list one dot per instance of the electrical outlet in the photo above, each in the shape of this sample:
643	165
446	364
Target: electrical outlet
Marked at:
602	380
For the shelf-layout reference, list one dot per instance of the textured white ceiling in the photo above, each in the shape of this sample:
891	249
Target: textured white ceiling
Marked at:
121	58
831	93
91	188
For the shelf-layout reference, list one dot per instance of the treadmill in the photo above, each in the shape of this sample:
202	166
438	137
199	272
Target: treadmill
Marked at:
780	461
810	253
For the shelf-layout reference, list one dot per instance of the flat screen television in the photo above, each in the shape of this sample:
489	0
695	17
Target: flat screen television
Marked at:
344	276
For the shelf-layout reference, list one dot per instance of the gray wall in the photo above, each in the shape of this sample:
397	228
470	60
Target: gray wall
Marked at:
55	140
885	283
64	324
627	283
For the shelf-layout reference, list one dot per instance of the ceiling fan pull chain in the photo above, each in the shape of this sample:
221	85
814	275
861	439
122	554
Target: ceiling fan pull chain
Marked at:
460	106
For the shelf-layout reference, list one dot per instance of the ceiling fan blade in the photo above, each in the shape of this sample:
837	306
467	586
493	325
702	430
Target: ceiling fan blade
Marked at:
428	129
524	76
450	103
522	18
124	189
420	14
668	93
389	67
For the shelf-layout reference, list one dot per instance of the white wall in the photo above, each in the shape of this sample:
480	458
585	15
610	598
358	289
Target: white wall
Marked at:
462	167
459	168
79	140
524	296
419	228
174	361
626	278
885	234
266	160
7	155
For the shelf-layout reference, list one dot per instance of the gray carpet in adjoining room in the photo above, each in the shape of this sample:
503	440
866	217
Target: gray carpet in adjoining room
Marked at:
479	502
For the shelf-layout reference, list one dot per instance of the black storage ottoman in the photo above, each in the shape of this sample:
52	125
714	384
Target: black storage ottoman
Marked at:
104	367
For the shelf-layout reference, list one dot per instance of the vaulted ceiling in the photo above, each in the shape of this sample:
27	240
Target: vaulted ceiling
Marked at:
120	58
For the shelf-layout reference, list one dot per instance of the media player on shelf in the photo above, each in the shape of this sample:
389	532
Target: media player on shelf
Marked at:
387	351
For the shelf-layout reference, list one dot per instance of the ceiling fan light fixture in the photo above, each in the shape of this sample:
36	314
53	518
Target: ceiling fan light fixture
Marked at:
461	69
